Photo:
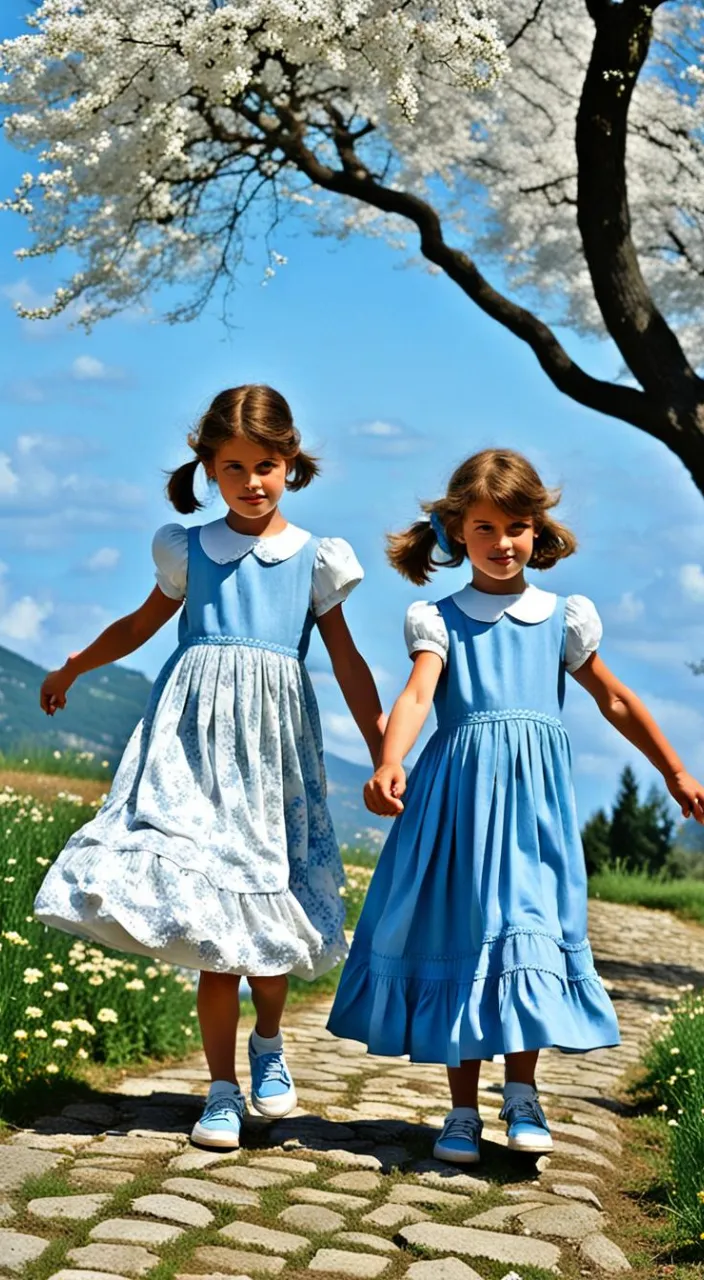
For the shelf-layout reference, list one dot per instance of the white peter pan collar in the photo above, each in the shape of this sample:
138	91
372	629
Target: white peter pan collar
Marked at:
531	605
223	544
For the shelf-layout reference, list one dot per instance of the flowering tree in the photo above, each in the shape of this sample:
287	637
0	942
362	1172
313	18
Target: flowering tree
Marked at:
560	140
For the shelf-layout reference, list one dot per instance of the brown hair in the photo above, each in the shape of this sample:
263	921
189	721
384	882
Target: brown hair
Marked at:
500	476
250	412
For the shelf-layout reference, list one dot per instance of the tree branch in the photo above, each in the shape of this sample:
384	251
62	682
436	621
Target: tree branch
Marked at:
532	17
354	181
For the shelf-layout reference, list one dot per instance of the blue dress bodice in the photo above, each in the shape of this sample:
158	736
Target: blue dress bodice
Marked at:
502	666
247	601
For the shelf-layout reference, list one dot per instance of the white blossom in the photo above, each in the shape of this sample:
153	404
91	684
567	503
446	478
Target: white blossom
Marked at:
156	132
157	128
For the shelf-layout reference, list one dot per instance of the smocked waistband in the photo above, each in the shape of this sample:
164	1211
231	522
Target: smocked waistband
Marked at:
490	717
247	642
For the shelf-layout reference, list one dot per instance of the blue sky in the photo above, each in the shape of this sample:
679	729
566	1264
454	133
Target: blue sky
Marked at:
393	377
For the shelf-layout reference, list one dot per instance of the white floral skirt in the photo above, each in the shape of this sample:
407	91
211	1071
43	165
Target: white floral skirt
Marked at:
215	847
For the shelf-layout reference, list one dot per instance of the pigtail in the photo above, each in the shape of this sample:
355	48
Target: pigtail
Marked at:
412	552
179	488
305	468
554	542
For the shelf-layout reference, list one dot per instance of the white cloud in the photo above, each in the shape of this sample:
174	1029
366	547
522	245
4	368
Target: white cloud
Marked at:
665	653
342	737
104	558
341	725
382	676
23	619
26	391
43	505
629	608
89	369
9	482
58	446
323	679
378	428
691	579
389	439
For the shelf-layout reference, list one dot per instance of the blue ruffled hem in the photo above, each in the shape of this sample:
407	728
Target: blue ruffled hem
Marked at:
523	990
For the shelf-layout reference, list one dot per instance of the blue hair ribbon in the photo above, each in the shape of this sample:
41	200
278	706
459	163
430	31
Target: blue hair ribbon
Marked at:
440	534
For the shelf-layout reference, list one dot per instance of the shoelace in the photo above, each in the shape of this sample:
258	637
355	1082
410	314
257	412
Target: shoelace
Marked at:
273	1068
221	1107
519	1109
467	1128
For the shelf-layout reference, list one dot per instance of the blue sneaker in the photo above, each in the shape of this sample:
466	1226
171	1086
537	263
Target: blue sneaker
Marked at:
221	1121
273	1090
526	1125
459	1141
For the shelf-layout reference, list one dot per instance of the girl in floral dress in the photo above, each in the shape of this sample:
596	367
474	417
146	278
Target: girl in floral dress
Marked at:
215	848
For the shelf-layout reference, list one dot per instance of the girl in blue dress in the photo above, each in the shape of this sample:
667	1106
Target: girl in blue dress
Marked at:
215	848
473	938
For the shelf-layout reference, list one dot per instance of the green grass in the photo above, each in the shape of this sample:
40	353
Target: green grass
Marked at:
674	1089
64	1002
64	763
683	897
354	856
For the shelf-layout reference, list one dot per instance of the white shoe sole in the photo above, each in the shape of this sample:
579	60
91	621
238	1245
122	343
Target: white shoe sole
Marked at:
531	1146
277	1107
219	1140
455	1157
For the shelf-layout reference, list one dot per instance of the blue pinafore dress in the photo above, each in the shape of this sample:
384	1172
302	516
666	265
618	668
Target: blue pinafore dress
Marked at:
473	937
215	848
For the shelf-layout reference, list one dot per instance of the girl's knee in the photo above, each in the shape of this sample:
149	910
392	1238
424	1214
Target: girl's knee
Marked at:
271	983
207	978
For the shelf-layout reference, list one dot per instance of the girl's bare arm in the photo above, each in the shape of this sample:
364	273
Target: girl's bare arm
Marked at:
354	678
625	711
383	792
116	641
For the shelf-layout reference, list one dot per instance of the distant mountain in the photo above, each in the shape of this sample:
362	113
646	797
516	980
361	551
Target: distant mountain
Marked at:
690	836
354	823
100	714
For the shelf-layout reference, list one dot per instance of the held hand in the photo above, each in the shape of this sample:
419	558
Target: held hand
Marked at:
688	793
52	696
383	792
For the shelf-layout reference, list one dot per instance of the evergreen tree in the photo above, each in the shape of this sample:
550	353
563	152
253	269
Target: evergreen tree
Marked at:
638	837
641	835
626	837
659	829
595	839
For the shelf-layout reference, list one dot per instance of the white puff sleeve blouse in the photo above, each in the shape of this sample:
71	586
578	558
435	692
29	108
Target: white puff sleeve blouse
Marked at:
424	629
584	631
170	554
336	573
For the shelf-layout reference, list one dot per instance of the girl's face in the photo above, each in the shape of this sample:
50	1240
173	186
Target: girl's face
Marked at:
498	545
250	477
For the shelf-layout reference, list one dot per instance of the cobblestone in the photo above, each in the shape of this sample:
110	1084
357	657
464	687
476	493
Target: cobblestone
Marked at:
331	1158
17	1249
237	1261
365	1266
130	1231
174	1209
124	1259
77	1208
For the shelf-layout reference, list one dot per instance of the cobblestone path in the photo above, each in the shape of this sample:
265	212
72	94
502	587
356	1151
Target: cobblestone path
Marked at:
345	1187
